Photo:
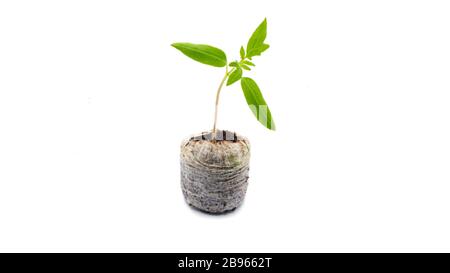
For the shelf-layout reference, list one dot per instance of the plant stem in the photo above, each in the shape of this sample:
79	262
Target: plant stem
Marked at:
217	104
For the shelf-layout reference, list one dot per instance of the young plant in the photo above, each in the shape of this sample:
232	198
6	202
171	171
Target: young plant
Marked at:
234	71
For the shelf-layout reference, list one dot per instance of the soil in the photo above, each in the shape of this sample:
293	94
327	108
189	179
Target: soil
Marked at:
214	173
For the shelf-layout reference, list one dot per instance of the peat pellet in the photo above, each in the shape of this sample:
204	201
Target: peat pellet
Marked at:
214	172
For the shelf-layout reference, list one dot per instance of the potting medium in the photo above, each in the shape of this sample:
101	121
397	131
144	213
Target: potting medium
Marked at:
214	172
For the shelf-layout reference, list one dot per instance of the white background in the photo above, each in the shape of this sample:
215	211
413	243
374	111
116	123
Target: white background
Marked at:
94	104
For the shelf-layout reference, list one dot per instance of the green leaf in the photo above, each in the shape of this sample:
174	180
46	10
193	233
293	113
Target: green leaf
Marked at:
248	63
242	52
234	76
258	50
257	103
257	40
245	67
234	64
264	47
203	53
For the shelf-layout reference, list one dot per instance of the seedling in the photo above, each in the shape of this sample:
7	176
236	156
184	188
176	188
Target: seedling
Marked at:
234	71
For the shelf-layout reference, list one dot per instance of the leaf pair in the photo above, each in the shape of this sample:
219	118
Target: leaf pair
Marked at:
214	56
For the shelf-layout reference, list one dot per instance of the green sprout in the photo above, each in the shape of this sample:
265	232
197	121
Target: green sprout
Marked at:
234	70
